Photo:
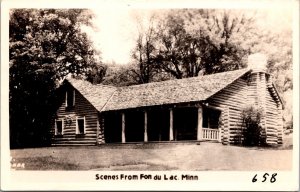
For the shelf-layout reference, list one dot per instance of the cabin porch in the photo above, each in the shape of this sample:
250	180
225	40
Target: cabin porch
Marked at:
158	124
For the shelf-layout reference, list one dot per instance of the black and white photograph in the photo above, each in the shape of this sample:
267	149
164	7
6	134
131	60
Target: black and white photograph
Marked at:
140	95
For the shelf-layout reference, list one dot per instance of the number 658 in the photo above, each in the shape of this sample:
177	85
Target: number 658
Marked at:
265	177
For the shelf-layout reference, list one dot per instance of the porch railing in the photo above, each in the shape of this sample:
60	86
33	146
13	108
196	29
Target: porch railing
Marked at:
210	134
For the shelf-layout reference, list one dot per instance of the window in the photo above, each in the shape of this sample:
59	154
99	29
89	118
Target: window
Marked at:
59	127
80	125
211	118
70	98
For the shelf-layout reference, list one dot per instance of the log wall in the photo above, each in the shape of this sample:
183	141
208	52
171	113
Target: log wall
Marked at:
271	120
231	99
274	129
82	108
279	125
101	124
248	90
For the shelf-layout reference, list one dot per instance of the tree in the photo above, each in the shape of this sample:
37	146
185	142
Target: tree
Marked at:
96	74
173	40
44	46
144	53
203	41
120	75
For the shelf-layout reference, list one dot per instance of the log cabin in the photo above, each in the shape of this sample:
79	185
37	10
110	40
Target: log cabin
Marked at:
204	108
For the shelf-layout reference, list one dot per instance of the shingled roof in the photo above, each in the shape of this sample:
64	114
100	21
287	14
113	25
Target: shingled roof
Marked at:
108	98
172	91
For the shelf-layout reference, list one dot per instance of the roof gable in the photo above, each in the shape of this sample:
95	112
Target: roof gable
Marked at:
97	95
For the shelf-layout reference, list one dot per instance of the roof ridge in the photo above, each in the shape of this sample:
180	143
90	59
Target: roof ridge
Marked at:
185	79
156	82
111	86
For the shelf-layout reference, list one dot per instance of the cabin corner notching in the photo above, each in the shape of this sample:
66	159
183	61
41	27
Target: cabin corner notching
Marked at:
206	108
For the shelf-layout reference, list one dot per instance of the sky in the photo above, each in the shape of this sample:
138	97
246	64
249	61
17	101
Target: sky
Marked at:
116	28
114	35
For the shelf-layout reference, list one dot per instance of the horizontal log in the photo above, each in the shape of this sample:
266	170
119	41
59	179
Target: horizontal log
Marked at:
74	144
234	109
229	103
227	96
271	104
74	136
268	130
272	130
234	103
273	118
272	125
271	141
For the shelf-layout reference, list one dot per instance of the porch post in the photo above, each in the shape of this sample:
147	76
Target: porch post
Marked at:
199	125
145	126
171	136
123	128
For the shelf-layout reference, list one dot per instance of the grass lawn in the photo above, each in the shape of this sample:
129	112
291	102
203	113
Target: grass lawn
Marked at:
151	157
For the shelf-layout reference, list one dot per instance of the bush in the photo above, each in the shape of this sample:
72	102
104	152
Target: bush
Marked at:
251	127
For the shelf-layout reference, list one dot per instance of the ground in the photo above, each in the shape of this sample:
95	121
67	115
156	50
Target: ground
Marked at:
151	157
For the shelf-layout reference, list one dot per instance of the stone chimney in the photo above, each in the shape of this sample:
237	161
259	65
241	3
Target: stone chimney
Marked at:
258	94
257	62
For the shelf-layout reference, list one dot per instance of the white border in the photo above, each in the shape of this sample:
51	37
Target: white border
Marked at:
85	180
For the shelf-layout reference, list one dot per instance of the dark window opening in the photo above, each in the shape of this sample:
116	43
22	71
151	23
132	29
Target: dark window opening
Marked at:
211	118
70	99
80	126
59	127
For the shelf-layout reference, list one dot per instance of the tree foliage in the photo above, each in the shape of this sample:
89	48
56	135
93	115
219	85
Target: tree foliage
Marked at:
188	42
120	75
203	41
44	46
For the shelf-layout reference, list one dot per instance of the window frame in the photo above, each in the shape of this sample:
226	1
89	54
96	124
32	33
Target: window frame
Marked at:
77	126
66	100
62	126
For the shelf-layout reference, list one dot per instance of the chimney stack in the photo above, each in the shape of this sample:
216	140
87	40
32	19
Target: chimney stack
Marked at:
257	62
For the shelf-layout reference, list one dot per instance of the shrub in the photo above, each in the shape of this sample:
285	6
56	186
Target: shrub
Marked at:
251	127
